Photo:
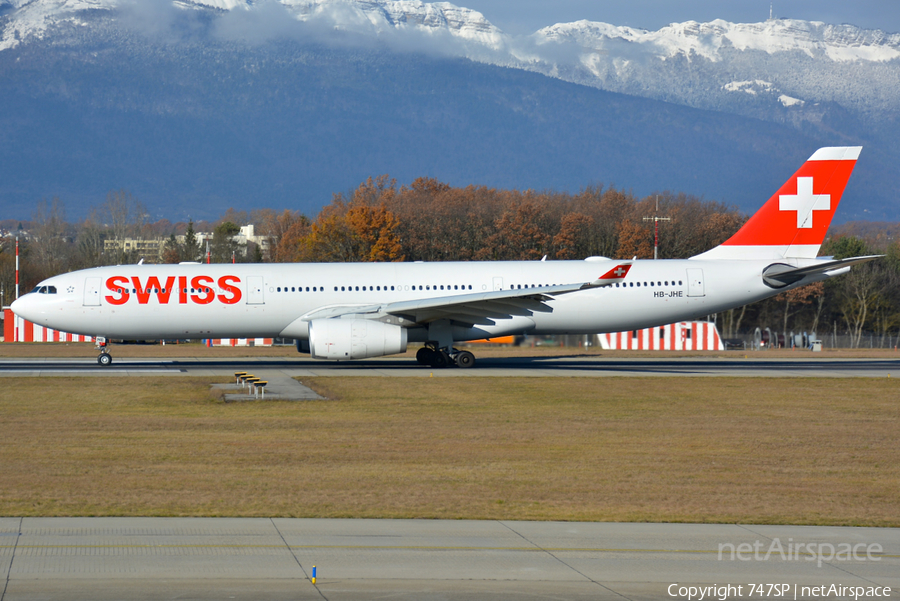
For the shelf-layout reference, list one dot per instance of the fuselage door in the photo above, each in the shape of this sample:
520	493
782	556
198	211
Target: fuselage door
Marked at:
498	283
255	290
92	292
695	282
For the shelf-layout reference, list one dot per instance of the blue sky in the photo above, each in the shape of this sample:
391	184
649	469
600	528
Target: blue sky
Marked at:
527	16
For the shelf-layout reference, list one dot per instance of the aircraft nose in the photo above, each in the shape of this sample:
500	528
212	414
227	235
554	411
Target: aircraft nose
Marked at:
23	307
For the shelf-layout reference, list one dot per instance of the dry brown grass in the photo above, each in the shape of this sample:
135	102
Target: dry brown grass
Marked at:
628	449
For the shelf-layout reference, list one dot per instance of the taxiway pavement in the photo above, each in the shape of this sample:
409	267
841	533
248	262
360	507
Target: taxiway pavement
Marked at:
742	365
262	558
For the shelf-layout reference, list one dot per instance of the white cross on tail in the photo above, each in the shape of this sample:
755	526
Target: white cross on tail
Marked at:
804	202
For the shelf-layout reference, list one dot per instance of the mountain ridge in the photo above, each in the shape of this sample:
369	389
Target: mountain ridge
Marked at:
224	106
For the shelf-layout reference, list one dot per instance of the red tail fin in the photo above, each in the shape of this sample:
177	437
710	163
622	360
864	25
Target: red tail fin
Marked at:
793	223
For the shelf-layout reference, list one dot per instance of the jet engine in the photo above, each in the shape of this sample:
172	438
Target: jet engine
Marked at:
342	339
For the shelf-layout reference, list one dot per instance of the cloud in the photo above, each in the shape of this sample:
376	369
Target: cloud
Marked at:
258	23
334	23
155	18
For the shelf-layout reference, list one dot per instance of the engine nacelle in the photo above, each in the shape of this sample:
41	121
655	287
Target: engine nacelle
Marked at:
342	339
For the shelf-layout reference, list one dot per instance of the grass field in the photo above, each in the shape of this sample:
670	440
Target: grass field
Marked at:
625	449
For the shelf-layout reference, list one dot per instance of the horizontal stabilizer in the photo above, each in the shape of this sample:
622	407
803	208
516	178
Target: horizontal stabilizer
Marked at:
780	275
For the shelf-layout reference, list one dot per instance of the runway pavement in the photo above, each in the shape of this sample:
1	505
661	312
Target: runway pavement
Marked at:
742	365
261	558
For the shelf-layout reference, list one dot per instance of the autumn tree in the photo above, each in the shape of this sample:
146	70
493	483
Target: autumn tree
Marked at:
634	241
292	243
575	239
520	234
273	226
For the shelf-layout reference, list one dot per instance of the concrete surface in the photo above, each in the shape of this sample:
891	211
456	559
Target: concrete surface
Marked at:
754	365
261	558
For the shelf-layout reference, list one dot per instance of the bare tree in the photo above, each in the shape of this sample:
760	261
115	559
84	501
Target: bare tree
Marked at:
126	216
49	245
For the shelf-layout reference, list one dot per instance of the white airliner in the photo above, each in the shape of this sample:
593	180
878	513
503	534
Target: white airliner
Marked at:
358	310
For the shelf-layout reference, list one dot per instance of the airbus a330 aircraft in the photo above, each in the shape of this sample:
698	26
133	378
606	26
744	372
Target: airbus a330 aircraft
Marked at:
358	310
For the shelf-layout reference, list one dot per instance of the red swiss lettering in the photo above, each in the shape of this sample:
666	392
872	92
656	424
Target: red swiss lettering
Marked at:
206	294
119	286
182	289
153	287
226	283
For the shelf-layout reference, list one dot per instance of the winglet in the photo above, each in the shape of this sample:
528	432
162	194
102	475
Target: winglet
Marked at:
616	273
612	276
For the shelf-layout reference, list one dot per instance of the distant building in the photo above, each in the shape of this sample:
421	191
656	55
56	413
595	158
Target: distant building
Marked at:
149	249
247	234
152	250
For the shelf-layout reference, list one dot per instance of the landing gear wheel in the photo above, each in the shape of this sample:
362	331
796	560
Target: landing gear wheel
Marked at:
423	356
104	359
465	359
439	359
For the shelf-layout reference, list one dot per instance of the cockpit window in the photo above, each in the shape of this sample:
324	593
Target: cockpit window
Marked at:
45	289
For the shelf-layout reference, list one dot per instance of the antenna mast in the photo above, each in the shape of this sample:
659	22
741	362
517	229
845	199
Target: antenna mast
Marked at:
656	219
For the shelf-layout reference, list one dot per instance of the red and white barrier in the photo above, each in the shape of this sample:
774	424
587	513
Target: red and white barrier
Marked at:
17	329
239	342
681	336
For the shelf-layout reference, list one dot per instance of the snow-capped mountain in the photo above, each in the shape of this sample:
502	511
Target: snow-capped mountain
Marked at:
705	64
33	18
697	64
260	101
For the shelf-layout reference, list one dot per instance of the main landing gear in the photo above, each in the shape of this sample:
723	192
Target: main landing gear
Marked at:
434	357
104	358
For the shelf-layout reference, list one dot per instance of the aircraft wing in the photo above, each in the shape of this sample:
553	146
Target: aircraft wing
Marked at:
780	275
480	308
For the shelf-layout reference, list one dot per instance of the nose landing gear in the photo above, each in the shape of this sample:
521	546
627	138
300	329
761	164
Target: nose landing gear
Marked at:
440	358
104	358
